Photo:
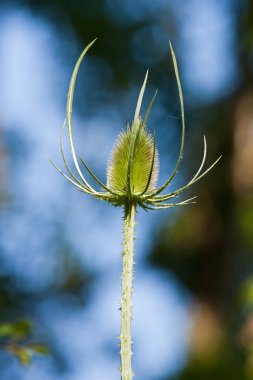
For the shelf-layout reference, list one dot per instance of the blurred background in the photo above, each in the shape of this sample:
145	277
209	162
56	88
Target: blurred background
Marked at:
60	251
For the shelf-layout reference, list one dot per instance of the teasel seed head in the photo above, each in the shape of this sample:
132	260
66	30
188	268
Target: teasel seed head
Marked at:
134	164
145	161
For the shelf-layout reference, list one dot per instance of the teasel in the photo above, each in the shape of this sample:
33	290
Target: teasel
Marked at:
132	175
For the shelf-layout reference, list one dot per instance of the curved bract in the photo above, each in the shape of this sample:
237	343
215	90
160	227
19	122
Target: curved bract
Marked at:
133	165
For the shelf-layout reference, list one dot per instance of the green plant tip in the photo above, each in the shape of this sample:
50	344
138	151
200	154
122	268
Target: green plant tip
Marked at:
133	165
142	161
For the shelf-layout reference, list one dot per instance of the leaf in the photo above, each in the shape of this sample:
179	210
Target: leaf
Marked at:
38	348
25	353
16	331
21	353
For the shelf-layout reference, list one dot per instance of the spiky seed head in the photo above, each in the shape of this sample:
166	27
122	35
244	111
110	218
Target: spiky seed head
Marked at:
142	161
133	166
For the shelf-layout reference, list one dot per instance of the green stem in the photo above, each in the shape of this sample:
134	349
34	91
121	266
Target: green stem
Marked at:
126	299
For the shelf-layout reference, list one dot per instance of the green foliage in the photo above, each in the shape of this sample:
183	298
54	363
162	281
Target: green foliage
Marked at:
244	210
15	336
227	366
24	353
15	331
21	353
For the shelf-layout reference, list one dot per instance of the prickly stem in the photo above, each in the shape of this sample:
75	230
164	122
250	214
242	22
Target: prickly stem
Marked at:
126	299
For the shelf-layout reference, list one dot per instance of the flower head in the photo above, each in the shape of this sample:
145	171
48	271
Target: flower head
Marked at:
133	166
144	165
